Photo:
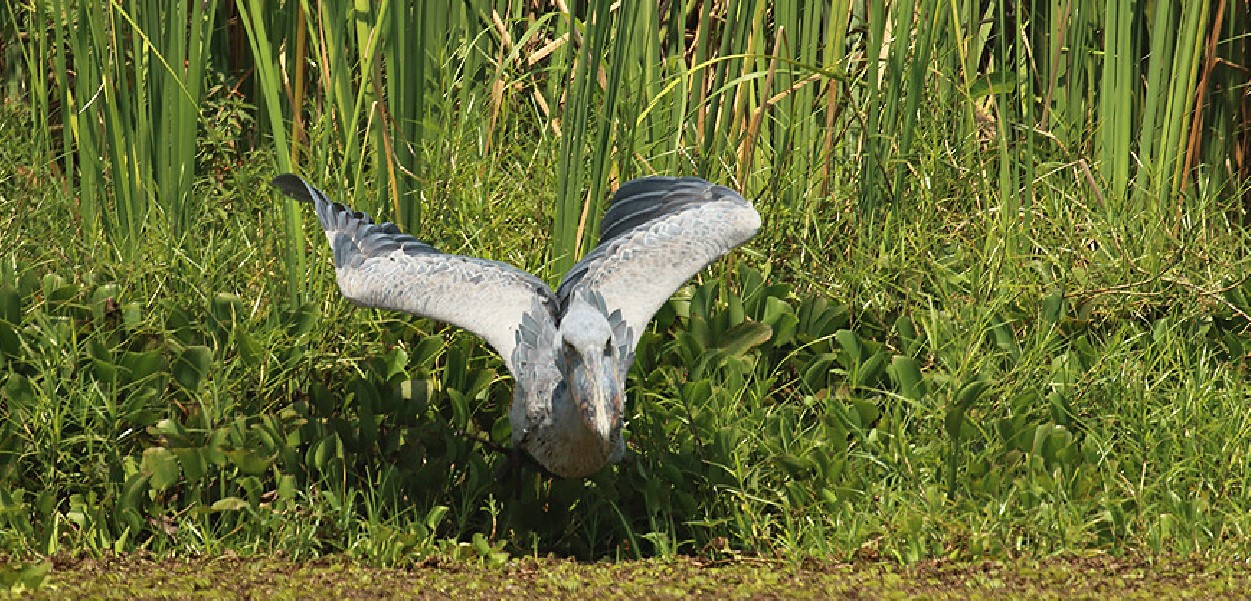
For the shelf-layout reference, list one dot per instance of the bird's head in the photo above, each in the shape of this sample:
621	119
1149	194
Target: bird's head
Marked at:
589	355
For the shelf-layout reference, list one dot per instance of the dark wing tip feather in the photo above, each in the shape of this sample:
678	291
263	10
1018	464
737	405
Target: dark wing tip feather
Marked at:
293	185
642	200
364	237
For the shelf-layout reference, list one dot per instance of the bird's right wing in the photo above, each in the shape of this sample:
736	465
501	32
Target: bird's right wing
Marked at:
379	266
657	233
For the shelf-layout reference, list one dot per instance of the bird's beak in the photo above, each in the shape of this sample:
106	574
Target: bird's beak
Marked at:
598	395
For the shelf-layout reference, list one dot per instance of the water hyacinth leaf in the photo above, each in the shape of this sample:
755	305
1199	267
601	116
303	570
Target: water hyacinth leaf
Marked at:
817	319
365	394
867	412
11	306
906	330
1005	338
481	380
396	362
104	371
194	462
697	393
996	83
132	315
322	452
869	373
140	366
817	374
1053	308
703	300
250	352
853	351
193	364
699	332
434	517
966	397
322	400
460	407
779	314
906	374
745	337
18	579
226	309
56	291
18	390
734	308
104	300
160	466
286	487
249	461
953	422
751	282
1050	440
97	349
679	306
10	344
426	351
1061	409
302	320
456	368
229	504
795	466
417	392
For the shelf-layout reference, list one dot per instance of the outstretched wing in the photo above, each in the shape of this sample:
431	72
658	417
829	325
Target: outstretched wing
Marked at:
379	266
656	234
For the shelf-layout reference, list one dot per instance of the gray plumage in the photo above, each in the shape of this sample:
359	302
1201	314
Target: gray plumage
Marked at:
568	351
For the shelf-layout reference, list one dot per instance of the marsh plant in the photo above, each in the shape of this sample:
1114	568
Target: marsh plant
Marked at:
998	305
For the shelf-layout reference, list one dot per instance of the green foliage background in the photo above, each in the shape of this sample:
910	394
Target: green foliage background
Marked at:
999	304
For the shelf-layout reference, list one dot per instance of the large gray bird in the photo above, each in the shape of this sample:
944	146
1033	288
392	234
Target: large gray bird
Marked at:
568	350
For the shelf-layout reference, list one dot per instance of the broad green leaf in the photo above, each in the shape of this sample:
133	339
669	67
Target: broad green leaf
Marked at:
997	82
194	463
250	462
102	299
10	344
745	337
906	330
229	504
1005	338
226	309
867	411
192	366
302	320
140	365
11	306
906	373
1053	308
250	351
853	350
869	373
427	350
160	466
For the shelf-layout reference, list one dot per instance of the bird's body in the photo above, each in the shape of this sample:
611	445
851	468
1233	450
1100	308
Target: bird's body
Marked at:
568	351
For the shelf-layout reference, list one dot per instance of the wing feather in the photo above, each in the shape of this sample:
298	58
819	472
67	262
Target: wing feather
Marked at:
377	265
657	233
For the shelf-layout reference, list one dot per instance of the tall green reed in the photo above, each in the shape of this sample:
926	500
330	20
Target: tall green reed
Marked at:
130	110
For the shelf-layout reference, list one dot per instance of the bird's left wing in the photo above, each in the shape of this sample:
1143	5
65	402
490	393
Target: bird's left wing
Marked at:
378	266
656	234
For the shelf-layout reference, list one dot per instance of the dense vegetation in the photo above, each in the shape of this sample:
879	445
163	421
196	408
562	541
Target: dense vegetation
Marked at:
999	305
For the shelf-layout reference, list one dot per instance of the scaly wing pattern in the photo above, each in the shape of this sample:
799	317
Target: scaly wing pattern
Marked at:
657	233
378	266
